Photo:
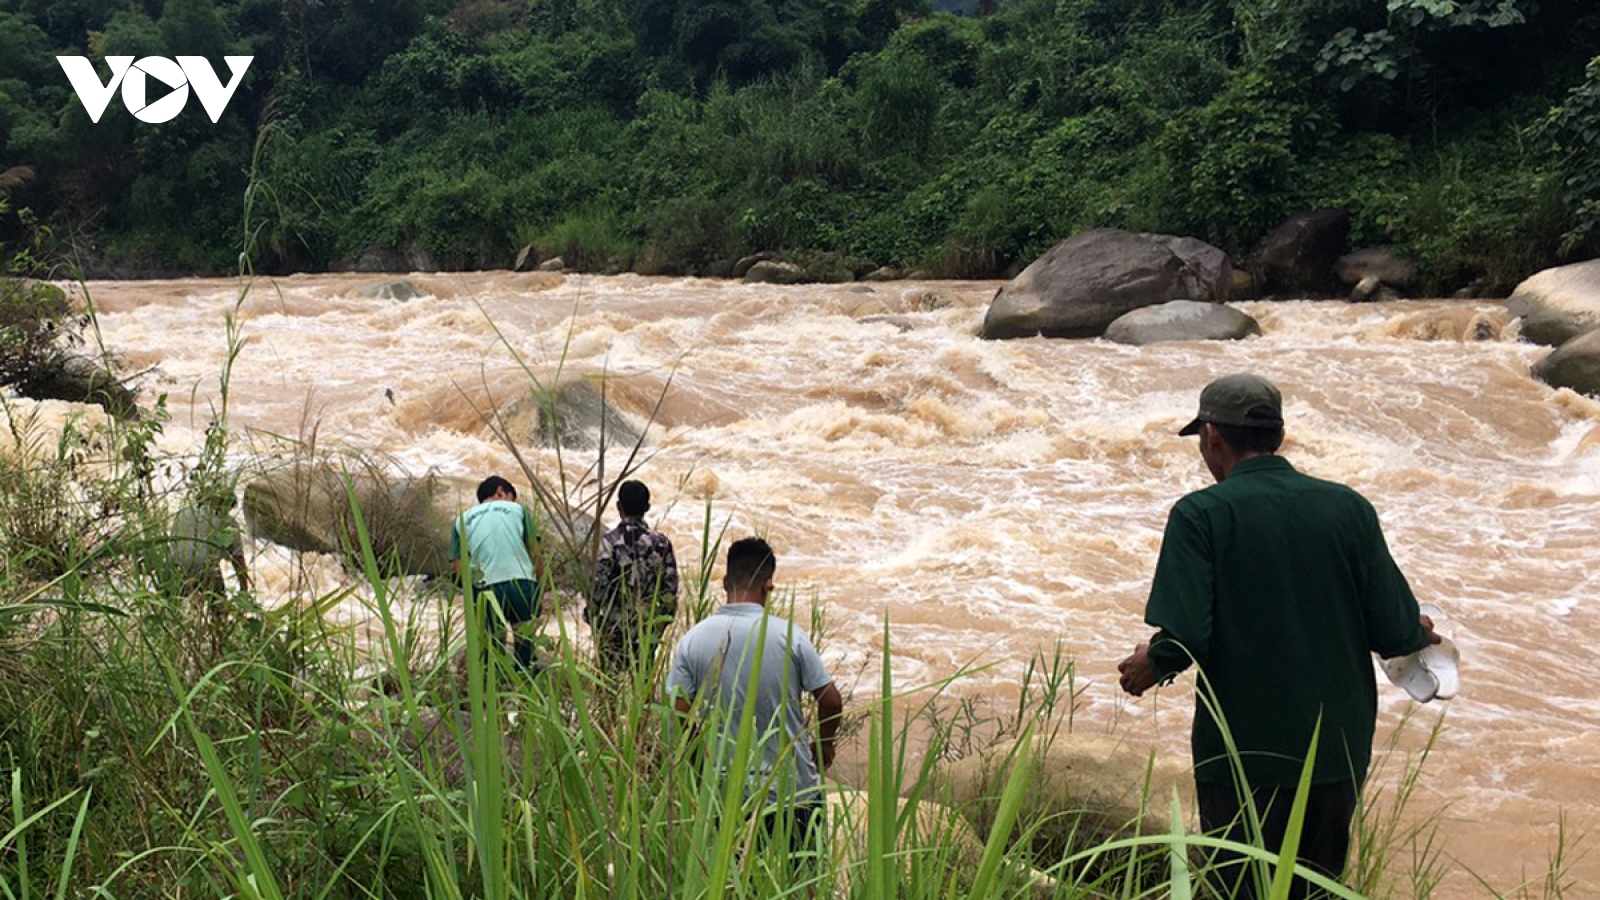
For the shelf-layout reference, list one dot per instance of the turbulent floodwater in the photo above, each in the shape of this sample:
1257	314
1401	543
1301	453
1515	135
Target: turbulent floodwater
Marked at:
989	499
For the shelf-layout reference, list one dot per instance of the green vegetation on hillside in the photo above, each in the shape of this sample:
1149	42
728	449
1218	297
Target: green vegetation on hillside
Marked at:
666	135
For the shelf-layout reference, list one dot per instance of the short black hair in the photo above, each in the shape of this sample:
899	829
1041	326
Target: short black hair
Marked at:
1246	439
492	485
750	563
633	498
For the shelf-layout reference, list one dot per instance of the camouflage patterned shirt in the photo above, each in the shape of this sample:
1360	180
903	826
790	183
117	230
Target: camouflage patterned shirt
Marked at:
636	572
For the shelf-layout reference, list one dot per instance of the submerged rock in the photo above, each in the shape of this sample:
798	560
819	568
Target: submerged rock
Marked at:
573	414
1456	323
394	289
1182	320
904	323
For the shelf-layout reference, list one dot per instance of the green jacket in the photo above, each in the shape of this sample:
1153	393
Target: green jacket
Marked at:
1279	586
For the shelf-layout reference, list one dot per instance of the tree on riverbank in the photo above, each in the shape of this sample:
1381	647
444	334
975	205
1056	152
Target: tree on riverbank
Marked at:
669	135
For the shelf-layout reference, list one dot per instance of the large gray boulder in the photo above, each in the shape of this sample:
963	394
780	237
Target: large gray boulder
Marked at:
1574	365
770	271
1558	304
742	265
1209	269
1182	320
1087	281
1381	263
1298	257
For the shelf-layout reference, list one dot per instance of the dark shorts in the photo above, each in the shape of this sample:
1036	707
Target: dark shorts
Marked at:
804	822
1324	839
517	602
517	599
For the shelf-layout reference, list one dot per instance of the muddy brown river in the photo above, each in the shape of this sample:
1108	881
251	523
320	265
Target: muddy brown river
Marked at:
989	498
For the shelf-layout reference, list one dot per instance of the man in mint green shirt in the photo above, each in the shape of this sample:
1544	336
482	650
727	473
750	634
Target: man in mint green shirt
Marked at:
502	547
1279	587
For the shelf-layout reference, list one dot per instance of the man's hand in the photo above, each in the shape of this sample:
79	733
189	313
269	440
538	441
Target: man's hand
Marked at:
830	713
1427	629
1138	675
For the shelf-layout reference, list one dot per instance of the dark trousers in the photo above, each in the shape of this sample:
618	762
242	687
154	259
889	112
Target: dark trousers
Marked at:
1324	838
803	819
620	649
516	601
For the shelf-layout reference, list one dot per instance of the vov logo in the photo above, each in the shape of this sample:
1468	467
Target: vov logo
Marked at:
179	77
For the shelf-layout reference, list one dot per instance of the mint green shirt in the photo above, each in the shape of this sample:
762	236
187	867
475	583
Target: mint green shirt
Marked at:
498	534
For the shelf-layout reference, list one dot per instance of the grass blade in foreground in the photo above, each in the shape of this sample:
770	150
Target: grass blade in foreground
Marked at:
1284	876
1180	884
1010	805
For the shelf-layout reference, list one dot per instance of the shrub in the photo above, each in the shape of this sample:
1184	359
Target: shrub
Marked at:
1573	131
1232	161
590	240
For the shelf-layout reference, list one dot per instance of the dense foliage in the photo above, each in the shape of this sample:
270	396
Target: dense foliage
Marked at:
667	135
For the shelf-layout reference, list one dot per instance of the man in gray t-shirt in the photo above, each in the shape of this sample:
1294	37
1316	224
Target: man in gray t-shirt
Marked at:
710	675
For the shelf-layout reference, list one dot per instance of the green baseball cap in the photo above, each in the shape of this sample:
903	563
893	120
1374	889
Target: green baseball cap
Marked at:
1249	401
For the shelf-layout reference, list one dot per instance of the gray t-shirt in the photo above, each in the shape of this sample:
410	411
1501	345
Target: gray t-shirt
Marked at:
202	537
713	661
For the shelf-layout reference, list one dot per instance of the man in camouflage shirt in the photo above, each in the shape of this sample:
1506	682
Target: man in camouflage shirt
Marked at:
635	594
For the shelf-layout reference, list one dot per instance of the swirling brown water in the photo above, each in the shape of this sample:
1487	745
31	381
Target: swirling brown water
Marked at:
990	499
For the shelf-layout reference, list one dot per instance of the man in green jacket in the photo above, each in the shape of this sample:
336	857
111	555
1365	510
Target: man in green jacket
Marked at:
1279	587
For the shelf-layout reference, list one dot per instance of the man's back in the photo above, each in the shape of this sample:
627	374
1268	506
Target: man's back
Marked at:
636	572
1281	585
713	663
498	533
